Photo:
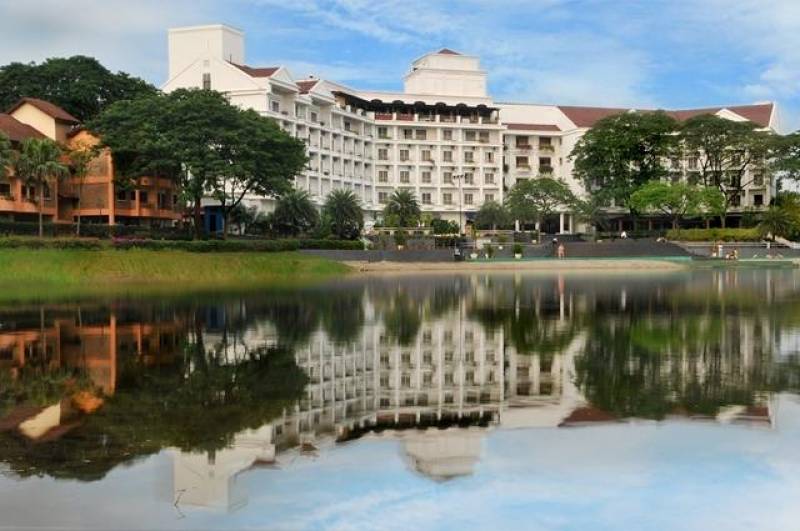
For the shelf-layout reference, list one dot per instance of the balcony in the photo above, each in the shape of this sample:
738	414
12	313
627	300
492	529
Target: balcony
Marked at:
547	148
545	170
523	147
406	117
384	116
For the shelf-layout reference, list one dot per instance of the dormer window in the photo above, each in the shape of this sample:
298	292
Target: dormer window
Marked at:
206	81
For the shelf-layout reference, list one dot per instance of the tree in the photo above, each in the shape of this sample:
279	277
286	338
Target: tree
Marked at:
343	214
779	221
80	85
674	200
622	152
39	164
6	155
725	151
492	215
80	158
533	200
591	210
205	144
294	214
403	206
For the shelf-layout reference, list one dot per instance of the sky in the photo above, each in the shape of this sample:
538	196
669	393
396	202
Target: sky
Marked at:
631	53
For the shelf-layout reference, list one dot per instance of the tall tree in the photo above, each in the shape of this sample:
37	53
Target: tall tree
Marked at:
403	206
6	155
79	84
39	164
81	157
725	150
343	214
622	152
533	200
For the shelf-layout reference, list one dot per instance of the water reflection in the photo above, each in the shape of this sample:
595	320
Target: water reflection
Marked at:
229	384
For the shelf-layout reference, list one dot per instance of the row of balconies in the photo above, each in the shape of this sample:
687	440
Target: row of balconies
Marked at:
436	118
544	148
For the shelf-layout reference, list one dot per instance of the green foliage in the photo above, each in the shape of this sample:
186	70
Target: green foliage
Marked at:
80	85
442	226
492	215
195	246
712	235
780	220
400	238
343	214
39	164
534	200
403	206
622	152
518	248
294	214
6	154
675	200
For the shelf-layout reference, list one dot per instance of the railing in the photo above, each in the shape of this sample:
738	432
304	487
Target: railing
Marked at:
545	169
524	147
383	116
547	147
405	117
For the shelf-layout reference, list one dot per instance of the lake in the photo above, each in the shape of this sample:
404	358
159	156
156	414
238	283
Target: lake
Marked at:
539	401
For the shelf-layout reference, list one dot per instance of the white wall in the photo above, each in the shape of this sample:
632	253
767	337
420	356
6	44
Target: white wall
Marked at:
217	41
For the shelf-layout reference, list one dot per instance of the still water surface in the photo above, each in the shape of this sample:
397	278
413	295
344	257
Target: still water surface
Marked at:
477	401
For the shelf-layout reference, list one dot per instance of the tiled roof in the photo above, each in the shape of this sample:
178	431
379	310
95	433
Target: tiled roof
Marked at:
15	130
533	127
587	414
257	72
447	51
305	86
759	114
50	109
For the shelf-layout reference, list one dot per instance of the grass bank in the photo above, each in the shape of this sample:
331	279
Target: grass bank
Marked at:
38	271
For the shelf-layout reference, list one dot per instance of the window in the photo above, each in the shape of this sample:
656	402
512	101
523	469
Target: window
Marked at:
5	189
448	379
447	156
483	137
758	200
469	136
427	357
275	106
522	142
383	132
46	190
143	197
426	177
447	198
383	154
488	178
426	155
405	176
163	200
447	177
693	163
384	380
489	197
758	178
522	162
405	380
427	378
408	134
122	195
206	81
383	197
469	178
313	117
468	156
421	134
426	198
404	155
427	337
383	176
447	134
467	199
488	156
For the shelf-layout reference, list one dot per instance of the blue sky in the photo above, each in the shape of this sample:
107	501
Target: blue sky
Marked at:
656	53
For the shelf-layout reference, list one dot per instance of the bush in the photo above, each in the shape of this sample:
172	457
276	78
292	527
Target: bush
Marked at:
441	226
518	248
710	235
21	242
197	246
400	238
92	230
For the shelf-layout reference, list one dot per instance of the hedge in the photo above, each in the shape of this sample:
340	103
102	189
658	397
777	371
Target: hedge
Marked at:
710	235
93	230
198	246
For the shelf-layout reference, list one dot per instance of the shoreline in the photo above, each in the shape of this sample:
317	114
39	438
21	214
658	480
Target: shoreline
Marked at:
577	264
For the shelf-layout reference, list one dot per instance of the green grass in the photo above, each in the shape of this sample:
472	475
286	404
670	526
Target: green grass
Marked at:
28	273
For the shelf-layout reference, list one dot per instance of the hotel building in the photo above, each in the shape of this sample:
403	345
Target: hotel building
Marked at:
443	136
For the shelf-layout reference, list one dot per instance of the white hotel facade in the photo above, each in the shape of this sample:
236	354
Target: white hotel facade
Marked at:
443	137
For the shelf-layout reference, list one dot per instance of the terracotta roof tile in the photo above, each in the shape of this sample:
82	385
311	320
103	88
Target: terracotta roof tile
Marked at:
257	71
588	116
447	51
588	414
759	114
305	86
532	127
50	109
17	131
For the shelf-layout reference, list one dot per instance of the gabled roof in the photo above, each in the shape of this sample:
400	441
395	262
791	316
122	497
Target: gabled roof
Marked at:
532	127
257	71
15	130
760	114
50	109
447	51
306	85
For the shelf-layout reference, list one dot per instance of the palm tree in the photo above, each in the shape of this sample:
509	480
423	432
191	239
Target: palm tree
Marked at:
80	159
39	163
294	214
403	206
779	221
342	211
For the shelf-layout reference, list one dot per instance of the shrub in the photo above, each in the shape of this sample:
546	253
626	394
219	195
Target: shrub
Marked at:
400	238
489	251
710	235
20	242
517	248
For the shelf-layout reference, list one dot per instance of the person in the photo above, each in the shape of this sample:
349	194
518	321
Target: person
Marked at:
562	252
624	235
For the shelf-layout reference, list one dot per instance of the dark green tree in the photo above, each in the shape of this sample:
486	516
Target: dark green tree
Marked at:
403	207
674	200
343	214
492	215
533	200
80	85
294	214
